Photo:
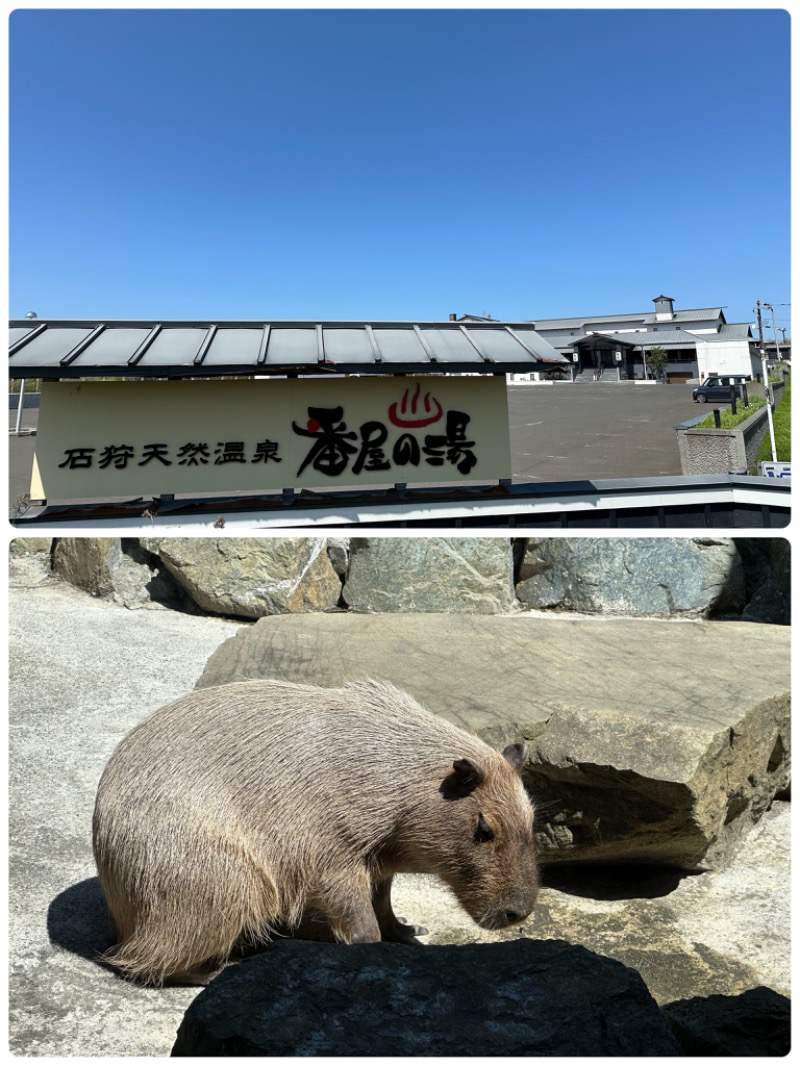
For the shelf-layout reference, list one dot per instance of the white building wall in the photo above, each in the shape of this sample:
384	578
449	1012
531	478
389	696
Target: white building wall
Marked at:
724	357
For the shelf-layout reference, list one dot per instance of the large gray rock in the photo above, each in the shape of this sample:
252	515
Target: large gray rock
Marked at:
462	574
650	741
30	545
119	569
520	998
665	576
250	577
29	562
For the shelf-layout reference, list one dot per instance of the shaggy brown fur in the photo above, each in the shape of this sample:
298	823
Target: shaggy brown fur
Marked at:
236	809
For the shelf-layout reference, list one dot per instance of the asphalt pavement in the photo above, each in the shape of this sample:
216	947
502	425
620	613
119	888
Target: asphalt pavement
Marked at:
586	431
559	432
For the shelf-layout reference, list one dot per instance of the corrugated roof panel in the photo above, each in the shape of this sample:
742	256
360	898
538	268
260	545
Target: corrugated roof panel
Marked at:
51	346
188	348
498	345
112	347
174	345
347	346
16	333
292	347
400	346
734	329
541	347
239	346
450	346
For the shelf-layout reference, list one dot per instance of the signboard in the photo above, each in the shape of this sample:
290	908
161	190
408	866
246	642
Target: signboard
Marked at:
150	438
772	469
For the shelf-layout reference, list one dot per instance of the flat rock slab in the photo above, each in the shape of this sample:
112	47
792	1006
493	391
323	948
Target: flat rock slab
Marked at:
521	997
651	741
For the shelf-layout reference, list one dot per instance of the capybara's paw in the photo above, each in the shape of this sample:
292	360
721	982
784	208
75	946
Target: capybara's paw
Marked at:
402	932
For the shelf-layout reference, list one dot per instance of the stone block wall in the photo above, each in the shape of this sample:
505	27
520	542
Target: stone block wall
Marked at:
251	578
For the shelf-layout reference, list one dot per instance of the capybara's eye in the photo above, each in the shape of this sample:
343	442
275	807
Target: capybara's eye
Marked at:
484	832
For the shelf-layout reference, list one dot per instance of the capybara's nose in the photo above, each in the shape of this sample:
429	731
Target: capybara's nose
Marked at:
513	916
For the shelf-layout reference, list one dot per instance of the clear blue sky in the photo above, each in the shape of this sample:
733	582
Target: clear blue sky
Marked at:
397	164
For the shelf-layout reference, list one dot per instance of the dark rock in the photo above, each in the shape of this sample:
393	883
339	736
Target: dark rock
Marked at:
666	577
521	997
758	1022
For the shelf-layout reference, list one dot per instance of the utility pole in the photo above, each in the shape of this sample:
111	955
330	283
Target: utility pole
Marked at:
757	310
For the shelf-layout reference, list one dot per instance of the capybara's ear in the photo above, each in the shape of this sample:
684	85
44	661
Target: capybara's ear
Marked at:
517	755
465	778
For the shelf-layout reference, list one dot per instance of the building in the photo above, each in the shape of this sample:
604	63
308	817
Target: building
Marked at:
698	343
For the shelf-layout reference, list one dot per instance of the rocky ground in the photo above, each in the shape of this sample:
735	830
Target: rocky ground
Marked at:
83	671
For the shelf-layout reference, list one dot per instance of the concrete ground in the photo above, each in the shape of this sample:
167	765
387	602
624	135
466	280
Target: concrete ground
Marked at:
560	432
84	671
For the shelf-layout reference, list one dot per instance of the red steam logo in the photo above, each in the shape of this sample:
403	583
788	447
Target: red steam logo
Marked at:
406	409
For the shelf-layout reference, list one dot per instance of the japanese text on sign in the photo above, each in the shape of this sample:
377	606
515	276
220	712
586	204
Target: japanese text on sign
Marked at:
152	437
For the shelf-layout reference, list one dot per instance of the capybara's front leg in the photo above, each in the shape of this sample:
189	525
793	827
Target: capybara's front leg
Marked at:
392	927
348	905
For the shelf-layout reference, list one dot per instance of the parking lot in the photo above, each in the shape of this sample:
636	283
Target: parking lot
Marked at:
586	431
560	432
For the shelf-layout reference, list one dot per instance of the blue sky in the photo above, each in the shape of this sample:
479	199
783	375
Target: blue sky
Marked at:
398	164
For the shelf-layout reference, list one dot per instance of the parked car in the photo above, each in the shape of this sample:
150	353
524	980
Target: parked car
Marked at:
718	388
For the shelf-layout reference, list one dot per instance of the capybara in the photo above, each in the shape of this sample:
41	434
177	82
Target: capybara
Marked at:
234	811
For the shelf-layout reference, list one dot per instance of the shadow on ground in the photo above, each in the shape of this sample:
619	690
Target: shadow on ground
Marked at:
613	882
78	920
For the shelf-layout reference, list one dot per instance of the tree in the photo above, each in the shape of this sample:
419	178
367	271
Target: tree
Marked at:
656	361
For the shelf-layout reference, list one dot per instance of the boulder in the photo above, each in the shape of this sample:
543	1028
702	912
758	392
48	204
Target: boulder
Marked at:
473	575
338	549
754	1024
30	545
29	562
665	576
520	998
651	741
250	577
119	569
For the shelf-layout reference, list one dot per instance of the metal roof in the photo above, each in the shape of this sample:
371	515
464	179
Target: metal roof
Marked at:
672	337
79	348
586	322
732	329
623	339
668	338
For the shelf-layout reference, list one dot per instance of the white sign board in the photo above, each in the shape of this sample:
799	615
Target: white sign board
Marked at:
148	438
780	470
